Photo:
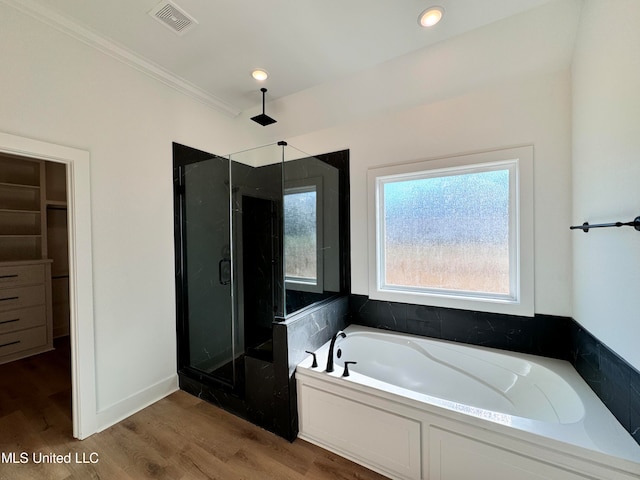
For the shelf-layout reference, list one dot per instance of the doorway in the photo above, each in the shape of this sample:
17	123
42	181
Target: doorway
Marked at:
34	289
80	272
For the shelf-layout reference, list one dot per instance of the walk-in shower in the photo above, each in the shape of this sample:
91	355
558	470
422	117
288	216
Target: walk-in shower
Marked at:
259	234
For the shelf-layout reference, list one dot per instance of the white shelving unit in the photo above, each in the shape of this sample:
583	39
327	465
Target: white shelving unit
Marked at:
34	276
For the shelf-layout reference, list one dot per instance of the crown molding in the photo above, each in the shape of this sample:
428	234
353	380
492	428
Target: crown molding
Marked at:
120	53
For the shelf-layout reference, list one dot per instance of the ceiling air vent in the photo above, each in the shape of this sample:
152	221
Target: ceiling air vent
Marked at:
173	17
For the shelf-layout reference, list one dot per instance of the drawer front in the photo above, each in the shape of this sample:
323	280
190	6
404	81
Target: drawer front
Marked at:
15	276
15	298
13	320
22	340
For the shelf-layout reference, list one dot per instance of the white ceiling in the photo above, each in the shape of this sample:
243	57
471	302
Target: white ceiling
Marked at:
302	43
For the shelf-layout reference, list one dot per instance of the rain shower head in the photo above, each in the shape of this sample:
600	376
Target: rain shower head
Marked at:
263	119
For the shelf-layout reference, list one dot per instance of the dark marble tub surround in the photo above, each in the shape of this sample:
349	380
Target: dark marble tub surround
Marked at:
615	381
544	335
634	407
308	329
312	328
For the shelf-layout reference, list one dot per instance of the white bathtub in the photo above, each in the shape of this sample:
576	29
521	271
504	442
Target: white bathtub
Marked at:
411	406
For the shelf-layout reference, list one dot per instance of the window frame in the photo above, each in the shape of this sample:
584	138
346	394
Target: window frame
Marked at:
521	232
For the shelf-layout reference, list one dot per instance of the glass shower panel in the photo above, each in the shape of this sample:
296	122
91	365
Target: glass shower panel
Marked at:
312	252
256	178
207	267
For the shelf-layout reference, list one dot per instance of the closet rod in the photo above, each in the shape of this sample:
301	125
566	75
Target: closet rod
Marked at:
635	223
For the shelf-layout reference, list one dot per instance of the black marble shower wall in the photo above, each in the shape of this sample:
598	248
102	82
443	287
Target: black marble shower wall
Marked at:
615	381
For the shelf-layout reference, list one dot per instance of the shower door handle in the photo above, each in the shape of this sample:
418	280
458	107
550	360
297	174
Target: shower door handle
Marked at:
224	271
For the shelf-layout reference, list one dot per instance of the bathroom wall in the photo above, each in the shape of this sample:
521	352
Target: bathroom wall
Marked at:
475	92
58	89
530	110
606	170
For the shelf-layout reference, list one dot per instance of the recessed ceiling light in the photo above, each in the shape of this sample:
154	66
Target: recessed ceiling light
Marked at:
260	74
430	16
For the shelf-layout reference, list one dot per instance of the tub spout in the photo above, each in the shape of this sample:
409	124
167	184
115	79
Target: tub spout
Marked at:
333	343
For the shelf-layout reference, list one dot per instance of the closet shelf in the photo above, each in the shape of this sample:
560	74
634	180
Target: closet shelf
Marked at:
19	185
15	210
13	235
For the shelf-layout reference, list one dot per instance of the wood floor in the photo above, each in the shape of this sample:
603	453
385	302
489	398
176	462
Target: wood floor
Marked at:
179	437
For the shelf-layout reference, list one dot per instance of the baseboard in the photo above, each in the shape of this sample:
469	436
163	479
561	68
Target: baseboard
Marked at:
125	408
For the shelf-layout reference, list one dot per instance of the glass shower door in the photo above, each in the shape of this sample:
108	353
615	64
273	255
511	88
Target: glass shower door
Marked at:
205	265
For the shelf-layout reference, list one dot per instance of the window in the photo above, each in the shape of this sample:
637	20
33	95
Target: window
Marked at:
303	235
455	232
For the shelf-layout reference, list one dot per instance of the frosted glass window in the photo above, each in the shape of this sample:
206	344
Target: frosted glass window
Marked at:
300	235
454	232
448	232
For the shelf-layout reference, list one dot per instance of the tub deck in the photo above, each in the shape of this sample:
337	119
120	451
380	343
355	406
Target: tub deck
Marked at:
531	401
